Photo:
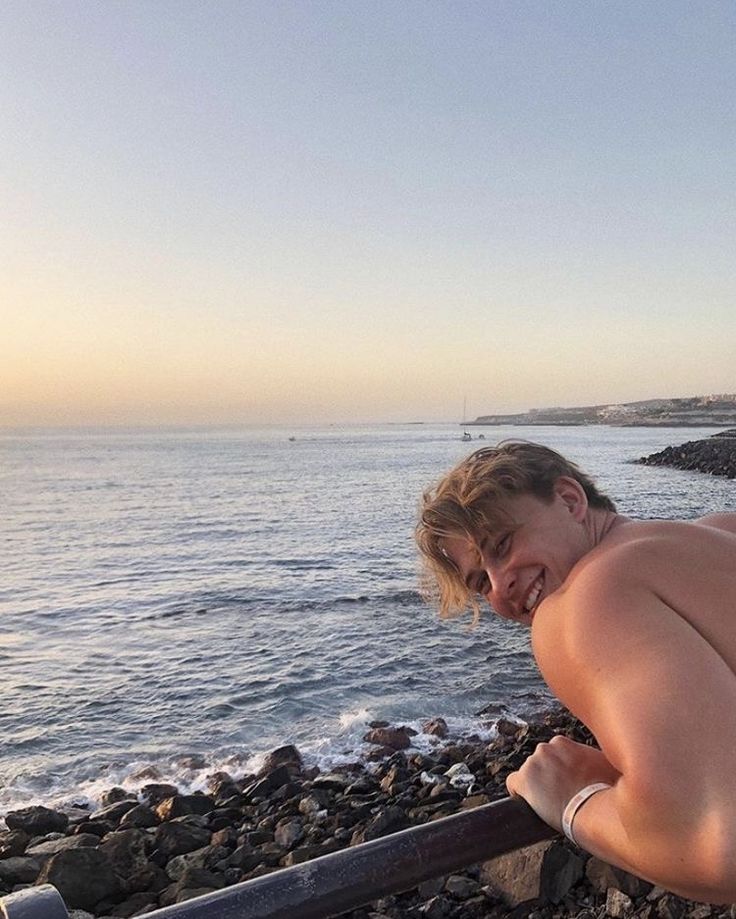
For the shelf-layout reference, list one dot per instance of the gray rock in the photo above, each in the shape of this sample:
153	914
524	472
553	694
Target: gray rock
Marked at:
700	912
156	792
393	738
287	755
618	904
13	842
274	779
194	883
176	838
332	781
436	908
44	850
183	806
390	820
83	877
134	905
201	877
516	877
37	820
141	816
430	888
126	850
601	876
562	869
246	858
303	854
461	887
114	795
671	907
206	857
151	878
289	834
19	869
545	872
114	812
437	727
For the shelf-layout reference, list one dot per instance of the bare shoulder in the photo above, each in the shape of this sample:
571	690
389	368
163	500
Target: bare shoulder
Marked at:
725	522
606	619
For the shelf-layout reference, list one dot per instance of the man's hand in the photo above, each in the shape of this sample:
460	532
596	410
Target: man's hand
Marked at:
555	772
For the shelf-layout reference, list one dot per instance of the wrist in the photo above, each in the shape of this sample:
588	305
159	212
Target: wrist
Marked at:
575	803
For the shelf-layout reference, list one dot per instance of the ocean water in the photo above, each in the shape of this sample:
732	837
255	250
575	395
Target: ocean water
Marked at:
184	600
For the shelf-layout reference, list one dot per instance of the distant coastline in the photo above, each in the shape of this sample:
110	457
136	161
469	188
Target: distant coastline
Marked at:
696	411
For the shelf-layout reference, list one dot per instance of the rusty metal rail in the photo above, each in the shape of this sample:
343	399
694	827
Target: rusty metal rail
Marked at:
344	880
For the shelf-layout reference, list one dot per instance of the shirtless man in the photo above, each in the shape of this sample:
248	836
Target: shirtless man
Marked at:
633	627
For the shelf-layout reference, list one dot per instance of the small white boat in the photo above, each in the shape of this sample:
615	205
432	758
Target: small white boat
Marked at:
466	436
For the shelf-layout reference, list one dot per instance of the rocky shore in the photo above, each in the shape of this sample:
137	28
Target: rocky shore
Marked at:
715	455
158	847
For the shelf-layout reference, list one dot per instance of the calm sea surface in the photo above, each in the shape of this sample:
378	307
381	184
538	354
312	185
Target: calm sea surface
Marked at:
222	592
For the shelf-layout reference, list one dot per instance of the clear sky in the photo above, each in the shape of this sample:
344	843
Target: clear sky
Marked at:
329	211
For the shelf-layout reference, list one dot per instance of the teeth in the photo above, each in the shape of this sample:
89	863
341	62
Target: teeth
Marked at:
534	594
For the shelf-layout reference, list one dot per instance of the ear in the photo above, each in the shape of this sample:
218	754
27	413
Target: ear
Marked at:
572	494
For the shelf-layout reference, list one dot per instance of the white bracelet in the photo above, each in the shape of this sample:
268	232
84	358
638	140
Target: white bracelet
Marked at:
574	805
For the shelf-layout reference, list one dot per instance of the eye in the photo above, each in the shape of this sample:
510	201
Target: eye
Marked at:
482	585
502	545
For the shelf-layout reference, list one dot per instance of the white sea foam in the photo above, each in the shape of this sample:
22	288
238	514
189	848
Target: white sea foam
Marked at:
359	716
345	747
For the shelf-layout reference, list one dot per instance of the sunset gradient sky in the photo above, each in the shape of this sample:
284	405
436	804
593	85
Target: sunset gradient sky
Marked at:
330	211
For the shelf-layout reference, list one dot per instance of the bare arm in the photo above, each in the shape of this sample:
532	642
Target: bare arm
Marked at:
660	701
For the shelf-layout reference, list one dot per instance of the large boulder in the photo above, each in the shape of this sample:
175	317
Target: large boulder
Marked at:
83	877
393	738
19	869
141	816
156	792
288	756
113	812
45	850
206	857
37	820
183	805
176	837
437	727
126	851
545	872
13	842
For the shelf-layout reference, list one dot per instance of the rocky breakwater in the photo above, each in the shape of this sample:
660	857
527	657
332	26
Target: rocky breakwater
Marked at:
715	455
159	847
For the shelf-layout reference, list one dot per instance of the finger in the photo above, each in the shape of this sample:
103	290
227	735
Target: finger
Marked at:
512	785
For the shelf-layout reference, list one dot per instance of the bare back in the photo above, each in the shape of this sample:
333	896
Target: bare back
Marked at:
691	566
640	642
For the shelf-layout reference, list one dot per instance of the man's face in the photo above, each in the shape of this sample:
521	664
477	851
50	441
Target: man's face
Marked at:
518	566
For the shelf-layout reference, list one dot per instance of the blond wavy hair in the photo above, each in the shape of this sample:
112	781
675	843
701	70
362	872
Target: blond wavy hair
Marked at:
471	501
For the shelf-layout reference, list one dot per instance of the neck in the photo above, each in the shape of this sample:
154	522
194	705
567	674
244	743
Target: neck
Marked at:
599	523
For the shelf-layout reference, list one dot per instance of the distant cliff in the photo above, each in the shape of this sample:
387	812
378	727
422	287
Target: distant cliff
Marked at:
706	411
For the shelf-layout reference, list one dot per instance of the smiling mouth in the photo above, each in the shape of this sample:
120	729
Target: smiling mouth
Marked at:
535	592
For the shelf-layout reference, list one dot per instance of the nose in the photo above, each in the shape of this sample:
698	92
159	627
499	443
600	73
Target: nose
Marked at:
501	583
